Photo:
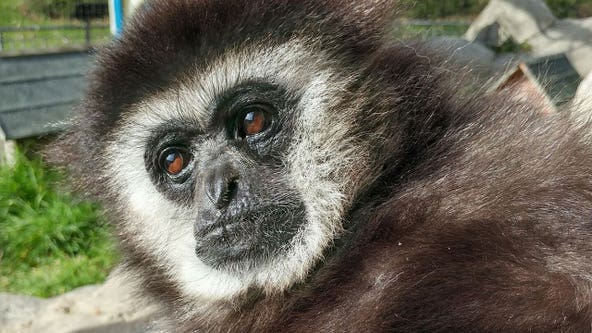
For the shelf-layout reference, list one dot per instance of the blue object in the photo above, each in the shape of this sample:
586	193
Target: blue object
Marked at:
118	15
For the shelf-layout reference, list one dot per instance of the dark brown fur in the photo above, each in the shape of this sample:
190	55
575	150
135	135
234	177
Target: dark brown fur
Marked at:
480	222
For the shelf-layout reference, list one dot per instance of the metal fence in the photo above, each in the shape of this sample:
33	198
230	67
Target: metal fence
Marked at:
38	26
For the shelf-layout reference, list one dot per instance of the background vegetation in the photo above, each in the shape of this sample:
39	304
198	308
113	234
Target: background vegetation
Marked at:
13	12
51	8
38	25
571	8
21	12
10	14
50	241
435	9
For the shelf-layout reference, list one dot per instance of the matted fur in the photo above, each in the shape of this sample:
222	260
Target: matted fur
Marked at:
429	208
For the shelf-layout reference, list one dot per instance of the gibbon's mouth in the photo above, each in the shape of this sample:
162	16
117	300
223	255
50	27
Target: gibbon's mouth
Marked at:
248	236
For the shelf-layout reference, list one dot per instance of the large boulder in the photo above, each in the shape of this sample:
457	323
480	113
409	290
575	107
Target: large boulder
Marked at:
584	93
518	19
570	36
113	307
531	22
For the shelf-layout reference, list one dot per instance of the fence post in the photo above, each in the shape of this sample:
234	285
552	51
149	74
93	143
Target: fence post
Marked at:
7	150
116	16
87	32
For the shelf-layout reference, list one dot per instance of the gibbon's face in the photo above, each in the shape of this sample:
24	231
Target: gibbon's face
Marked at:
239	174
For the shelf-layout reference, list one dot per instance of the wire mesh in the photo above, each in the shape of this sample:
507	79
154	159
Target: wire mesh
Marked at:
37	26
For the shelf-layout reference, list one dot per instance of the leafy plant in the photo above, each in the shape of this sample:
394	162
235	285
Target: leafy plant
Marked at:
570	8
434	9
510	46
51	8
50	241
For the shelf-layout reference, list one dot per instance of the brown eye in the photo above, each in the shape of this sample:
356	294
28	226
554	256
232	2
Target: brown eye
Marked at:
254	121
174	160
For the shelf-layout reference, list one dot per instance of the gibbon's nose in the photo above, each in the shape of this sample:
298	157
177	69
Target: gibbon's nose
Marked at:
221	185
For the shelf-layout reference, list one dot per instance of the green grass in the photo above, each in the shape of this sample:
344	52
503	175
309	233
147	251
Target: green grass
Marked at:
19	13
52	39
411	30
50	241
10	13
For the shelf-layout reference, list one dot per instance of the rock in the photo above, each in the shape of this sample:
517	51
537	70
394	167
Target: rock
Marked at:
584	92
519	19
476	57
462	50
19	309
113	306
572	37
531	22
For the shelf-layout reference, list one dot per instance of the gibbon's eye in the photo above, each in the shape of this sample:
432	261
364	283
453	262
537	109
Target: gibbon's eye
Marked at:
253	120
173	160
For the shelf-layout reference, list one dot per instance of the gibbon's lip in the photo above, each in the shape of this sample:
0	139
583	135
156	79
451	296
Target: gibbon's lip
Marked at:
220	230
220	224
247	234
231	239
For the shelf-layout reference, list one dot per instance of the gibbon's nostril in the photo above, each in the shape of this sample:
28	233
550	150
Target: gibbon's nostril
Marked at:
221	185
230	193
